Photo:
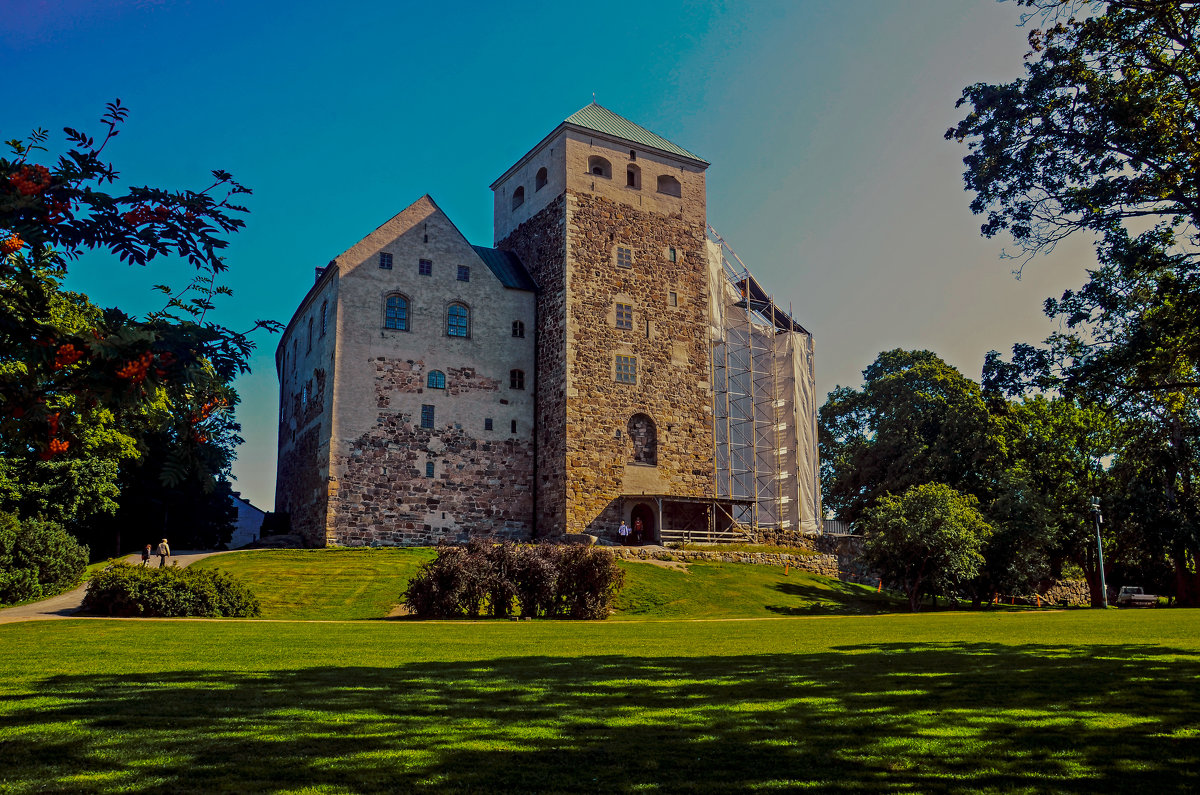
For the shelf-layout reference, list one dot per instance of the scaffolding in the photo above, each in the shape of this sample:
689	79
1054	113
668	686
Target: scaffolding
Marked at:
764	407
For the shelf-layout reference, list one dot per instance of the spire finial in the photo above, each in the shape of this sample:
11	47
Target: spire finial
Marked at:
593	97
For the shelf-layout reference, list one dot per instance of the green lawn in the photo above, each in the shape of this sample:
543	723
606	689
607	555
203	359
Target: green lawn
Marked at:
739	590
1079	701
329	584
341	584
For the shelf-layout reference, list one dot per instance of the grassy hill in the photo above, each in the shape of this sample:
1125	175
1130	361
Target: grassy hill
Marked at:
347	584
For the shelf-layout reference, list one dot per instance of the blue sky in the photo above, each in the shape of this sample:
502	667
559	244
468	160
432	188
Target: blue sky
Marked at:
823	122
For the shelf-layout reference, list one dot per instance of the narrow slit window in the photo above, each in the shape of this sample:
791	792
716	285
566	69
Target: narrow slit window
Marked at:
428	469
487	423
514	426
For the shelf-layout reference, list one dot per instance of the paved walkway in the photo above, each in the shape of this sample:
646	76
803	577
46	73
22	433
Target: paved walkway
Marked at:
68	604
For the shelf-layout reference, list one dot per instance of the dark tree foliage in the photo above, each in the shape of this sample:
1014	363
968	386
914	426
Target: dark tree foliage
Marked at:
916	420
80	385
1102	137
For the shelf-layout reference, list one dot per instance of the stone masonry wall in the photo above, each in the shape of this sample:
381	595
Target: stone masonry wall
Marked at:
481	486
669	340
540	243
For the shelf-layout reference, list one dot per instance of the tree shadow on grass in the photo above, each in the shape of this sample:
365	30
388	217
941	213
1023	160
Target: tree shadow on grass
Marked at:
883	717
833	598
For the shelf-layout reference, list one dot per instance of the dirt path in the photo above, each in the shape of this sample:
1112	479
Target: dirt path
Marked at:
67	604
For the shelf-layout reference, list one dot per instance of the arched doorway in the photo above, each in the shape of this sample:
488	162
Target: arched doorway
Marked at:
645	514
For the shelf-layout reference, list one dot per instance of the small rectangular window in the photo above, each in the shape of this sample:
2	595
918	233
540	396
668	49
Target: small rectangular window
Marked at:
385	260
487	424
514	426
518	328
624	316
426	416
428	469
464	273
672	298
671	254
516	379
425	267
626	369
624	257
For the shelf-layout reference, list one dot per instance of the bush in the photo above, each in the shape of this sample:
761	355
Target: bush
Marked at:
170	592
544	580
37	559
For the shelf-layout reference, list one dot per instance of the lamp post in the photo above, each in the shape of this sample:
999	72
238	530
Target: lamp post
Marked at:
1100	551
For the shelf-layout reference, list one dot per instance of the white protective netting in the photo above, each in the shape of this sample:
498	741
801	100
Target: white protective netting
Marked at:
764	401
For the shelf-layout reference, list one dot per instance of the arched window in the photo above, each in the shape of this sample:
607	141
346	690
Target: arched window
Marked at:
633	177
516	379
599	167
437	379
669	185
324	317
396	313
644	436
518	197
540	180
518	328
458	321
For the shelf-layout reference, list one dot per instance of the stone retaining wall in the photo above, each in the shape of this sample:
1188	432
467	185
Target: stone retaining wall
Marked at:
825	565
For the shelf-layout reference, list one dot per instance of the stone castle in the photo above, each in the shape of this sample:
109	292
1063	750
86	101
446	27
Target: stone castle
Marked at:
608	359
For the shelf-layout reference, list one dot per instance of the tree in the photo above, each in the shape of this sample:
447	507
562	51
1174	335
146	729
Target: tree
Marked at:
1101	138
929	539
916	420
81	385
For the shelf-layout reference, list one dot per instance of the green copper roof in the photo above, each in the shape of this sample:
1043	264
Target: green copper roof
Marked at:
603	120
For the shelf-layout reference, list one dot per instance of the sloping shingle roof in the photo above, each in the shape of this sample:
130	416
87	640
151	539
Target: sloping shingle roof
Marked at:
602	120
507	267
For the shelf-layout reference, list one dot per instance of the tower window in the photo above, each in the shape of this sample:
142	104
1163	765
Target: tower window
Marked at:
464	273
671	256
425	267
458	321
673	298
426	416
599	167
632	154
626	372
624	257
487	423
624	316
518	197
633	177
540	180
669	185
396	313
428	469
436	380
516	379
385	260
518	329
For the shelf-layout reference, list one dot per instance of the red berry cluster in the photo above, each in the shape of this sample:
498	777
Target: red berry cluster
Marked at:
11	245
135	369
30	180
66	356
146	215
56	446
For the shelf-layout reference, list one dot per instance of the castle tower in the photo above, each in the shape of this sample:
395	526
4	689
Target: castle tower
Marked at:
609	219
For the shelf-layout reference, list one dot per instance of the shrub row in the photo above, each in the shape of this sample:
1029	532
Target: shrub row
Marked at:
124	590
37	559
543	580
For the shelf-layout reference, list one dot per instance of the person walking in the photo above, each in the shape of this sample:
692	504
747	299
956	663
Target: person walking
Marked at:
145	556
623	531
637	532
164	552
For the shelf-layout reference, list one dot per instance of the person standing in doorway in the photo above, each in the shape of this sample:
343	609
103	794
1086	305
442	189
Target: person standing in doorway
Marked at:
637	532
623	531
164	552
